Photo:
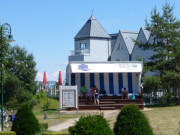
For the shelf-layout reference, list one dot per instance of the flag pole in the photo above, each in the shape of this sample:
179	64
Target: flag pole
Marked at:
60	92
59	102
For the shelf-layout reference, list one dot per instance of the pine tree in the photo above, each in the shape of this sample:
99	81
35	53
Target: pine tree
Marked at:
165	63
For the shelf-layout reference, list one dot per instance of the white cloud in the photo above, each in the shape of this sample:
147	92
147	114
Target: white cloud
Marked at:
50	76
39	76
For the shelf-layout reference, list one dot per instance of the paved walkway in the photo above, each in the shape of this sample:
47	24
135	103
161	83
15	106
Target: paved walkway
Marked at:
71	122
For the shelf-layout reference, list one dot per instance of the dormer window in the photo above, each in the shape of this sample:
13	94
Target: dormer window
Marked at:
82	45
119	47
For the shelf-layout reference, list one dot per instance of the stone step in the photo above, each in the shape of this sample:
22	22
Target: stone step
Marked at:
107	108
106	102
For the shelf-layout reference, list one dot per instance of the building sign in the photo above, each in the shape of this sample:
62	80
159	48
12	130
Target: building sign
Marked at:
106	67
83	67
128	66
68	98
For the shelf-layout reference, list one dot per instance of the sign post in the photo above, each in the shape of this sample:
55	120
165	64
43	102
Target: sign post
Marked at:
69	97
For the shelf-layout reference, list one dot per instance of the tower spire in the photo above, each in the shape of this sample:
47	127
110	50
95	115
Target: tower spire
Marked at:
92	12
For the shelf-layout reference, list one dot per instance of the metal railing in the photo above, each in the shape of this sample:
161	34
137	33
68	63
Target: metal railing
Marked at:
80	52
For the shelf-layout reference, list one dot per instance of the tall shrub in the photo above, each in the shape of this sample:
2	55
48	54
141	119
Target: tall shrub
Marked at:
131	121
25	122
91	125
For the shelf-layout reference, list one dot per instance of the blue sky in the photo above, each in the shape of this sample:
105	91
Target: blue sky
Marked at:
46	28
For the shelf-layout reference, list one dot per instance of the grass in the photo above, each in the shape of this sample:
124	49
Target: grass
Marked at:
163	120
54	117
51	112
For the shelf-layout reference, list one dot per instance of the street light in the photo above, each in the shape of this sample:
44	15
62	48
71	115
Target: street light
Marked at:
5	27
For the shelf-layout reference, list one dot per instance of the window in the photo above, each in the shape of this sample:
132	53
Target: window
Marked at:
119	47
82	45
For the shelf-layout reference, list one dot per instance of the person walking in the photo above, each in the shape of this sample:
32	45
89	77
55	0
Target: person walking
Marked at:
96	97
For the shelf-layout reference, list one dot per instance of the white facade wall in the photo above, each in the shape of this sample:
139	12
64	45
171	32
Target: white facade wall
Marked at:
78	42
135	82
100	50
116	83
120	53
78	82
96	80
87	84
125	81
106	83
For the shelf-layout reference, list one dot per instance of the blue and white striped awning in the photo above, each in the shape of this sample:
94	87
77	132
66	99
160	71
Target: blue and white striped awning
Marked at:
106	67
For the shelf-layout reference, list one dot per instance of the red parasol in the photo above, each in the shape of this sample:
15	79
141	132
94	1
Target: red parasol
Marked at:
44	80
60	79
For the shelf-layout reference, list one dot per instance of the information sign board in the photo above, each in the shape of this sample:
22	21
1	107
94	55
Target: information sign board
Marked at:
68	98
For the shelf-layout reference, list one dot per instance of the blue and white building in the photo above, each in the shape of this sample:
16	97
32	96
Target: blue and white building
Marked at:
108	61
111	76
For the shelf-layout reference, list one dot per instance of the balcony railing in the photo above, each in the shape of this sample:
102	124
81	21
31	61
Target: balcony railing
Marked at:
80	52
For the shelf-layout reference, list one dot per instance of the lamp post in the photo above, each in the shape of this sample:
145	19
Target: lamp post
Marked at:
6	28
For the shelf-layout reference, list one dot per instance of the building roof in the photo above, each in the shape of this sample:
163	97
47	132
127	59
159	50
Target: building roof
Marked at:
128	37
113	39
92	28
146	33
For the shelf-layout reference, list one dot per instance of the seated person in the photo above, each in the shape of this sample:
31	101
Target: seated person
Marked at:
93	88
125	94
96	97
104	92
83	90
91	93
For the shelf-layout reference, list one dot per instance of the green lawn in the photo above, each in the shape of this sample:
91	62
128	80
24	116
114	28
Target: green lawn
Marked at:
54	117
164	120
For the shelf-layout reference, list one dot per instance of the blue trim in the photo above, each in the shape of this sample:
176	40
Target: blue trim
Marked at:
130	82
111	84
73	80
91	80
101	81
82	78
120	80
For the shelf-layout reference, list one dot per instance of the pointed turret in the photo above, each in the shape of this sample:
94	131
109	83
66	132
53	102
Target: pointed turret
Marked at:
92	28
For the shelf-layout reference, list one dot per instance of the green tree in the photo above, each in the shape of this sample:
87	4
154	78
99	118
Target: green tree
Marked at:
5	46
25	122
131	121
165	63
20	83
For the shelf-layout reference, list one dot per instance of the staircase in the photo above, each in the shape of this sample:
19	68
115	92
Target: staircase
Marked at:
108	103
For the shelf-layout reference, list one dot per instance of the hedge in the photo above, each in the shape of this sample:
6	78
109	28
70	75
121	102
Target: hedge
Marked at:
43	126
7	133
55	133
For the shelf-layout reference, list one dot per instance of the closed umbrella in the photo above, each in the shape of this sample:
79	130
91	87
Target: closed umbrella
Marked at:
60	79
44	80
59	84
